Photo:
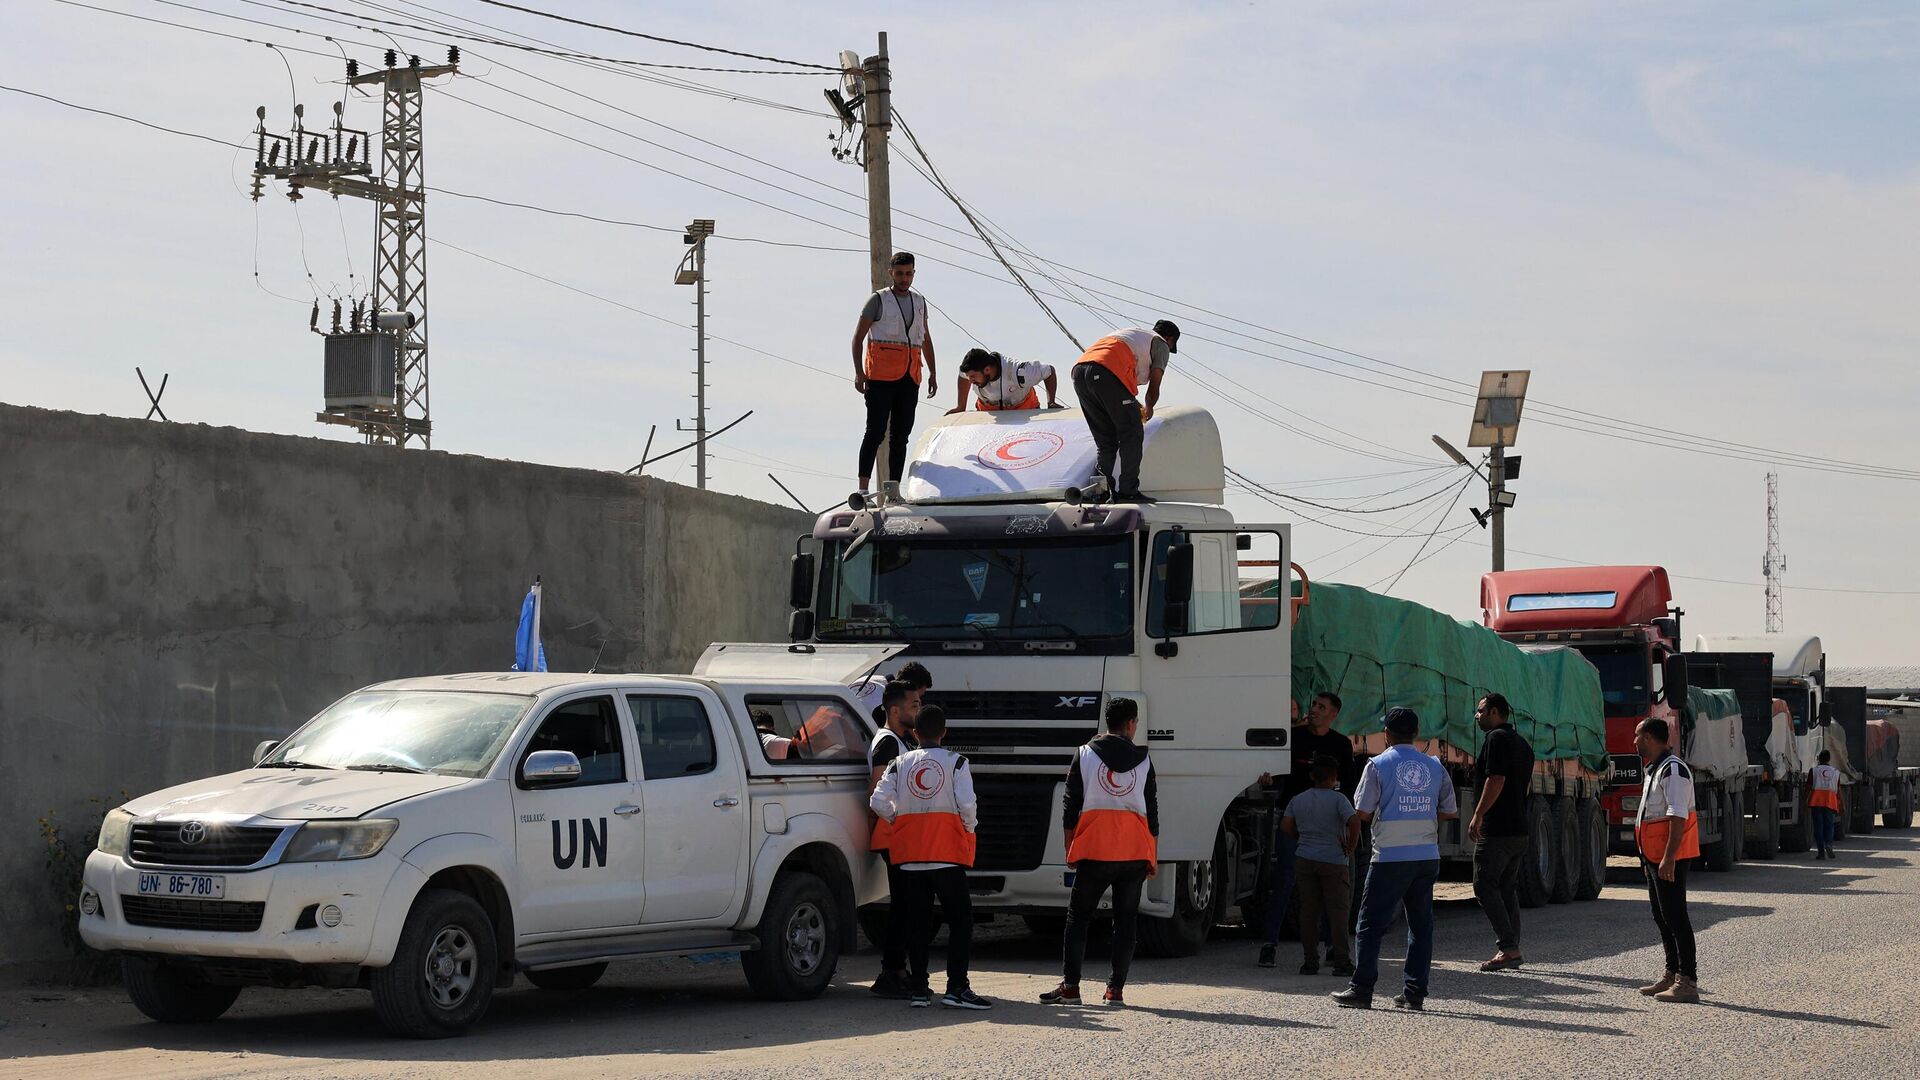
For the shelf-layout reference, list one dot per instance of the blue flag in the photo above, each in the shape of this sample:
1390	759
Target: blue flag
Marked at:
528	653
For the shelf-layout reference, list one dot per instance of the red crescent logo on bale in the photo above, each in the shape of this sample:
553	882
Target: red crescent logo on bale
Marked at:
1116	785
926	780
1022	450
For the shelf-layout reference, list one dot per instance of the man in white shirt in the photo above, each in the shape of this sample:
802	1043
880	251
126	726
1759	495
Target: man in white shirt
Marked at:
1667	833
1000	384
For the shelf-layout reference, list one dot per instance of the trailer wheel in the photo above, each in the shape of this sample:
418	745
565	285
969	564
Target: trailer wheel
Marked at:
1537	870
1862	808
1737	825
1591	822
1763	840
1797	837
1717	855
1566	850
1843	821
1901	816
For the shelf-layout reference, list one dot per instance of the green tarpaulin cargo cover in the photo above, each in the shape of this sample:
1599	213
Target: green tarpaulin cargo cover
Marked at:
1377	652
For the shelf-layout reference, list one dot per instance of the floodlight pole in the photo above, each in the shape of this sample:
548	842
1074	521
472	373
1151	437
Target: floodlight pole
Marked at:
1497	483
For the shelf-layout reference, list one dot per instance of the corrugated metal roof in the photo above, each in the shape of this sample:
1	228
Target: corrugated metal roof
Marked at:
1901	677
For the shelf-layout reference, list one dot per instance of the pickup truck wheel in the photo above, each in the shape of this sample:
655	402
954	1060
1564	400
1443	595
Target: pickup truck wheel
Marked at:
799	940
441	979
567	978
1045	926
1536	870
1591	872
174	995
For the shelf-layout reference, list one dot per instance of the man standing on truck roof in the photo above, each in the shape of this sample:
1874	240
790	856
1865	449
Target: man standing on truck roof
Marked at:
1823	799
1502	771
1111	815
1308	743
897	348
1002	385
1667	832
900	709
1405	794
926	795
1106	379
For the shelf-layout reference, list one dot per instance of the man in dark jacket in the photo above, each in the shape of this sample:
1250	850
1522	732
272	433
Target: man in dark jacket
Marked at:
1112	816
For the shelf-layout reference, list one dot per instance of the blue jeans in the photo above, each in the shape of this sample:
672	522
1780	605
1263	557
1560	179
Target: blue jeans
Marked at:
1391	888
1823	828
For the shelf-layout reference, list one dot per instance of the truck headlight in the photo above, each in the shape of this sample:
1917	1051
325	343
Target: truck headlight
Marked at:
1630	804
116	829
337	841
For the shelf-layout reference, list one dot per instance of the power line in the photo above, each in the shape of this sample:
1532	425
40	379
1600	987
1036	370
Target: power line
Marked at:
1423	544
661	40
1730	581
1341	509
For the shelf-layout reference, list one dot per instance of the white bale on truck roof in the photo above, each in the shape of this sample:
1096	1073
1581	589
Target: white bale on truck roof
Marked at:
1036	455
1794	655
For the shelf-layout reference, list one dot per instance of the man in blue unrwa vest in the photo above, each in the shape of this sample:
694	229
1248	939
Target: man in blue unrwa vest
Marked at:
1404	793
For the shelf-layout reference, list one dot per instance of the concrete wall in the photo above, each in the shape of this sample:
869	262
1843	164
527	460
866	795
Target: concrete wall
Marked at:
172	594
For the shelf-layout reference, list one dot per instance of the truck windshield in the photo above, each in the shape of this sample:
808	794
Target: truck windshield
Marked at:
1799	702
449	734
1623	678
1013	591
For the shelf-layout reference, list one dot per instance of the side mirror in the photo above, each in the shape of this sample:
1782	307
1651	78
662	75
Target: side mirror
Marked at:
549	768
261	751
1826	712
1674	673
1178	589
800	581
800	625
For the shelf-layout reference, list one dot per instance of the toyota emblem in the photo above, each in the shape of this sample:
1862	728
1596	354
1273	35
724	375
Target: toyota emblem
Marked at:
193	832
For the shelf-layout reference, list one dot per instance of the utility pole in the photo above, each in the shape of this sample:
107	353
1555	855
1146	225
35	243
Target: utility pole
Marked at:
877	115
693	271
1497	483
1773	566
376	376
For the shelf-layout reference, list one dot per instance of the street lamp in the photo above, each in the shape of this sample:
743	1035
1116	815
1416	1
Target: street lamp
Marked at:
693	271
1496	425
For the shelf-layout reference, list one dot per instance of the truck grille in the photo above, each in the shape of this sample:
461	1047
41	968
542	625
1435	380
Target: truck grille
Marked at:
1015	813
162	913
159	843
1081	706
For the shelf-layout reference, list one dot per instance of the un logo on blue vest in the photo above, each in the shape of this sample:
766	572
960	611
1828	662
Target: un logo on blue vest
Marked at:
1412	776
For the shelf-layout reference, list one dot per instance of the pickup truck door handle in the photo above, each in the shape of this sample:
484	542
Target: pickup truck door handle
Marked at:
626	809
726	800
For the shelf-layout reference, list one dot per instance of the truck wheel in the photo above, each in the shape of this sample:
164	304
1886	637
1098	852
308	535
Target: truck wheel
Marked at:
1590	820
1862	808
441	979
1797	837
174	995
1736	826
1566	850
1536	870
1901	816
1196	898
1763	840
799	940
567	978
1843	821
1717	855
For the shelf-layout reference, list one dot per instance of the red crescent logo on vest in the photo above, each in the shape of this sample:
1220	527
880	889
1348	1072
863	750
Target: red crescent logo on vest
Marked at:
1021	450
1118	785
926	780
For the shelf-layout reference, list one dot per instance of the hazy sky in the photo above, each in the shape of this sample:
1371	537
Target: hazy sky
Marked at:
1703	217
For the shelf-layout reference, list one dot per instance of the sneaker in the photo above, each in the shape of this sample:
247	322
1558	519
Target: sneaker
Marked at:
1353	998
1409	1002
1266	955
1114	997
1063	994
965	999
920	999
1309	969
1661	987
1683	990
1343	970
891	984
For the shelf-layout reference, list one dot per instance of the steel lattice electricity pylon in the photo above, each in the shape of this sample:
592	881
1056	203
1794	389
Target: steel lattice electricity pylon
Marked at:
1774	565
401	413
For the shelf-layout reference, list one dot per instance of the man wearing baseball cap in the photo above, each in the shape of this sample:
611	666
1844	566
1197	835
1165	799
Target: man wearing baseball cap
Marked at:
1404	794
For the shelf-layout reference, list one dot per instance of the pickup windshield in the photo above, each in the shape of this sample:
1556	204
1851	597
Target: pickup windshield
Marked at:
1624	678
427	731
992	591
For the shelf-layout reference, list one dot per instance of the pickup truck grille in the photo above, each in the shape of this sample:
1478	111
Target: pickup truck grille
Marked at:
1015	817
162	913
159	844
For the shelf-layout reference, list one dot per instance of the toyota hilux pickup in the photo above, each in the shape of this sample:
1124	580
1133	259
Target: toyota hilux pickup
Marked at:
427	839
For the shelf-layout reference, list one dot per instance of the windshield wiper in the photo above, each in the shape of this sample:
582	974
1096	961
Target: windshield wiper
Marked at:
385	766
290	765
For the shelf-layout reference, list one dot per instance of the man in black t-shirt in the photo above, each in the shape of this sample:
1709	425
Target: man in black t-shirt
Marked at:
1502	771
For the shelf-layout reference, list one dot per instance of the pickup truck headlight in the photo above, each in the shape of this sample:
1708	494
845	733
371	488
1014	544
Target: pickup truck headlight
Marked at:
115	831
337	841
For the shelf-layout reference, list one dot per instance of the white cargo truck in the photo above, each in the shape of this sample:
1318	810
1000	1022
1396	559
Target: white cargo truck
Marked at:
429	838
1033	607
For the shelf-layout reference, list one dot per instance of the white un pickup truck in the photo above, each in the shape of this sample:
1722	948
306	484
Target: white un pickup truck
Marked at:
428	838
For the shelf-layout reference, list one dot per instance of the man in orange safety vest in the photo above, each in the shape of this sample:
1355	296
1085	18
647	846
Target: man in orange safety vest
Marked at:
1667	832
1106	379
